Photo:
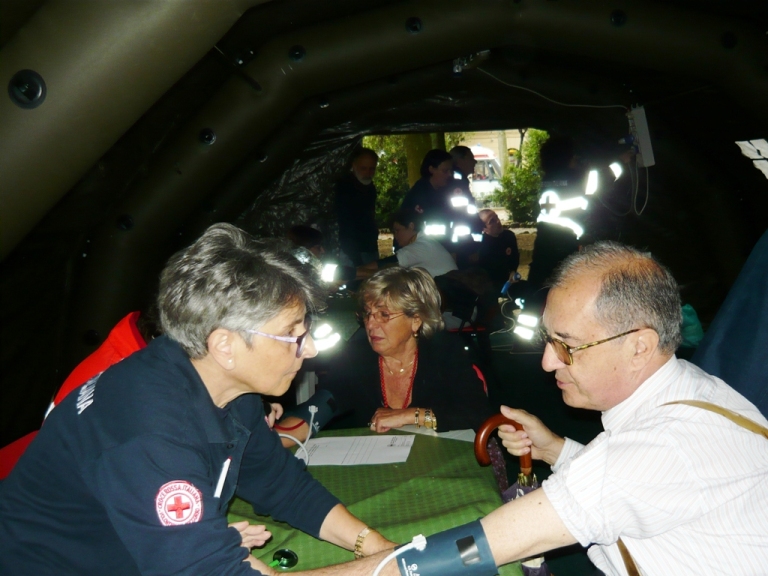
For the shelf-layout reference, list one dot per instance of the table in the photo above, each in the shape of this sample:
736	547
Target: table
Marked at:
439	487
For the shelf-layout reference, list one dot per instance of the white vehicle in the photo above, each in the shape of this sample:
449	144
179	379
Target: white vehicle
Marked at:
486	179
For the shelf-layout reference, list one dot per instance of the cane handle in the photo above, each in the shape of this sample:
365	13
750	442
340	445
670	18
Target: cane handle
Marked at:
484	433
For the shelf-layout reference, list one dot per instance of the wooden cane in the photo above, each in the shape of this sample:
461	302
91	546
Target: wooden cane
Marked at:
484	433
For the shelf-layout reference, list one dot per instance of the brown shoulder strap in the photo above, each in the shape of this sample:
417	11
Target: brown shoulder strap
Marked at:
629	563
734	417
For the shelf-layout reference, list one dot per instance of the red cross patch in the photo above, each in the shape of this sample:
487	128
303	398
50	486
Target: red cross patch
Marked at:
178	502
509	251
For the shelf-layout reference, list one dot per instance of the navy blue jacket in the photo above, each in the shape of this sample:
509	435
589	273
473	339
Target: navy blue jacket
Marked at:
121	478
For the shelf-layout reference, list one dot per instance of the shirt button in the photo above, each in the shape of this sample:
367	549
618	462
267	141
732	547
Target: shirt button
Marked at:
230	446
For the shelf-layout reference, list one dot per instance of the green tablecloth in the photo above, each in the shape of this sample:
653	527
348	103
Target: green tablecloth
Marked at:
439	487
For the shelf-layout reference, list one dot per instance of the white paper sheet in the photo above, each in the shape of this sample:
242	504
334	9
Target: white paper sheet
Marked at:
355	450
463	435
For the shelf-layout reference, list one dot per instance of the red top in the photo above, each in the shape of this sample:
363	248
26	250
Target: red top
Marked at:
123	340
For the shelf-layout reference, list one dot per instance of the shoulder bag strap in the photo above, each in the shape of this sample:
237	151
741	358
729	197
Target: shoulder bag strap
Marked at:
734	417
629	563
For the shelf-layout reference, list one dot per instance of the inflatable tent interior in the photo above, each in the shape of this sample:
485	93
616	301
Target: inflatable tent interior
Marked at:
129	126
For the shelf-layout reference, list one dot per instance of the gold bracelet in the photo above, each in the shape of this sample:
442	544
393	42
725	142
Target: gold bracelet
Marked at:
416	419
430	421
359	542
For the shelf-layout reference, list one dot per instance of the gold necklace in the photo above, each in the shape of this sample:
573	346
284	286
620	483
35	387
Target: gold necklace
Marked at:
401	371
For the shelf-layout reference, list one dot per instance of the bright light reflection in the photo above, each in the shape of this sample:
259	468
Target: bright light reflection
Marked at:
564	222
477	237
461	230
520	303
528	320
327	343
616	169
550	198
591	183
434	229
471	209
328	272
525	333
322	331
457	201
571	204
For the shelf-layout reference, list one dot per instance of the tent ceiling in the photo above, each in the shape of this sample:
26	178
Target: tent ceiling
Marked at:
109	175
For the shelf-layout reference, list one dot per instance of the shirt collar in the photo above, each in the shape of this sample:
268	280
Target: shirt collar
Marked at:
628	411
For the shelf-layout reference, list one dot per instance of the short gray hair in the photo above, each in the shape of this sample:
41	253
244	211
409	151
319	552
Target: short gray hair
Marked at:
412	290
228	279
636	290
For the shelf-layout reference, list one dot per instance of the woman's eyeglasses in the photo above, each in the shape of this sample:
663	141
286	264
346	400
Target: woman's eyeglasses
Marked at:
300	341
381	316
564	352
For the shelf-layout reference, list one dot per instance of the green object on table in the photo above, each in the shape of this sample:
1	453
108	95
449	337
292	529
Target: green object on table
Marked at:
439	487
284	559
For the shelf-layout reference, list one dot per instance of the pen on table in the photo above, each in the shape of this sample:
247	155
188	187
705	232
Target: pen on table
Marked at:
222	477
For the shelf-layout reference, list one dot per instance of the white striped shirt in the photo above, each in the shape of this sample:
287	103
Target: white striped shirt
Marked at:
685	489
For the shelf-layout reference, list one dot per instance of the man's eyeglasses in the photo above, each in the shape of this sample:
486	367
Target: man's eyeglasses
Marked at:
564	352
381	316
300	341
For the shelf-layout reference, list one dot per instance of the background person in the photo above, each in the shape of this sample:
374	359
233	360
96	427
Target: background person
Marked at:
428	196
562	172
499	255
355	205
133	473
464	165
407	365
415	248
303	236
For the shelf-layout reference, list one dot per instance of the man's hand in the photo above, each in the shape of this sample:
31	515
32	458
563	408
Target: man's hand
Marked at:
535	438
252	534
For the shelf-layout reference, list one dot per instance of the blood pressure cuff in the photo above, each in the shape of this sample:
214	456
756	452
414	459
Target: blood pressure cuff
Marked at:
326	409
461	551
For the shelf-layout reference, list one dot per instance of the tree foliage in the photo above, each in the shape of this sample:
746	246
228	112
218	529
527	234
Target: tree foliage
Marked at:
521	183
392	172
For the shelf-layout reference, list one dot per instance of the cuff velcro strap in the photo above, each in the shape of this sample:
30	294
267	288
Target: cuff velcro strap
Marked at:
326	409
461	551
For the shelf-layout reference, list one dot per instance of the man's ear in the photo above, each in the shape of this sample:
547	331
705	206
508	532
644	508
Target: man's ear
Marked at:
646	341
411	226
221	347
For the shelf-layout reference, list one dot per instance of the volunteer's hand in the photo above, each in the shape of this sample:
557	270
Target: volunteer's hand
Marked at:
252	535
275	414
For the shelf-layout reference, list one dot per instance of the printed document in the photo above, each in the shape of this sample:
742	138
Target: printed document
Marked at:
356	450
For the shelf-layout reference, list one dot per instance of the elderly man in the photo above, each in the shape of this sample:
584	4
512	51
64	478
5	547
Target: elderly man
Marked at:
133	472
683	489
355	205
498	254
